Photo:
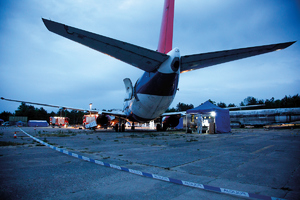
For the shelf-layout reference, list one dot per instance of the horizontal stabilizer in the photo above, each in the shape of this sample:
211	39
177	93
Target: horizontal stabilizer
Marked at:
197	61
142	58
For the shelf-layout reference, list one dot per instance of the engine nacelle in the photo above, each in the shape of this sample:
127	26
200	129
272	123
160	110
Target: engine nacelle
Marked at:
103	120
170	121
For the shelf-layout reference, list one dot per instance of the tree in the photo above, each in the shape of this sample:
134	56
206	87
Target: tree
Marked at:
250	101
184	107
271	103
261	101
222	105
25	110
290	102
231	105
52	114
171	110
75	117
5	115
211	101
41	114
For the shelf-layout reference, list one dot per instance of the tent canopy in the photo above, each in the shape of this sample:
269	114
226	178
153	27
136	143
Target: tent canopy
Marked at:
222	118
205	108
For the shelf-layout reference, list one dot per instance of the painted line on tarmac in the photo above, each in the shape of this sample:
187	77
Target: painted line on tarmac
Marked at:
262	149
158	177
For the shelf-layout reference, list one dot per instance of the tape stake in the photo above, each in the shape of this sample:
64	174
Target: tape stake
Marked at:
158	177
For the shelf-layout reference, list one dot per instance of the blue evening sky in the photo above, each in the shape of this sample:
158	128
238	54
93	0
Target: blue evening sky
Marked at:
39	66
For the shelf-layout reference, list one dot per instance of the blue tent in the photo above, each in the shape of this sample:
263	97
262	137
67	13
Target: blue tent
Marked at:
38	123
222	118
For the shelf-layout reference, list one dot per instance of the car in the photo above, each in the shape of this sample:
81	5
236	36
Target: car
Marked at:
6	124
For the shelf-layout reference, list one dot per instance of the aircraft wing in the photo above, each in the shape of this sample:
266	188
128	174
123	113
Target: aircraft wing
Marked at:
181	113
142	58
116	113
49	105
246	107
197	61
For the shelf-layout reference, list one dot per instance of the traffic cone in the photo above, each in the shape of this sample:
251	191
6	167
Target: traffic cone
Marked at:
15	135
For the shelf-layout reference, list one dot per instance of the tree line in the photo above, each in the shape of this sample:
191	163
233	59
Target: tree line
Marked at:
76	116
41	114
286	102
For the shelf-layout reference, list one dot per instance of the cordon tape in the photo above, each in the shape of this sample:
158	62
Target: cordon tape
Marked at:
158	177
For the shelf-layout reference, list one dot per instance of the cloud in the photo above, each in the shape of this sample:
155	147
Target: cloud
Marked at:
37	65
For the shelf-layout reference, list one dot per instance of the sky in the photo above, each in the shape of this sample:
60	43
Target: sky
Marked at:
39	66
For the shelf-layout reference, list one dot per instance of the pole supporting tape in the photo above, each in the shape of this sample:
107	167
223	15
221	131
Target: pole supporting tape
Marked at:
158	177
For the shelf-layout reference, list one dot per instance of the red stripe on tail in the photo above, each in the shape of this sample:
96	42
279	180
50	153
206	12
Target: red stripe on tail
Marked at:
166	29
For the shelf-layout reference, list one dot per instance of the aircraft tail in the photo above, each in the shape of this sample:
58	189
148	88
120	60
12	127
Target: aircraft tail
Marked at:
166	30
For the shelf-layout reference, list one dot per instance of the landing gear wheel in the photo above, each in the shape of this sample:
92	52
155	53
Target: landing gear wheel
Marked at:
164	128
123	128
158	127
117	127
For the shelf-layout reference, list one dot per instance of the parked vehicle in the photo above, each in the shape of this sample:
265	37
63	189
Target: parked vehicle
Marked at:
6	124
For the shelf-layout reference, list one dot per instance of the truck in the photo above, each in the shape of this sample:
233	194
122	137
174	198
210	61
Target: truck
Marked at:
90	121
59	121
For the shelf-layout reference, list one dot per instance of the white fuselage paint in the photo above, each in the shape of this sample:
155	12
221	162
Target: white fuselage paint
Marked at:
149	106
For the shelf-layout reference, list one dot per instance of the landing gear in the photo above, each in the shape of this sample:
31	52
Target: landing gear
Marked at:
132	126
158	127
122	128
164	127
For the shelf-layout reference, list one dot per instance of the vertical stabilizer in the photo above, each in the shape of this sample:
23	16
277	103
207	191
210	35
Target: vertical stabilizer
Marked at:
166	29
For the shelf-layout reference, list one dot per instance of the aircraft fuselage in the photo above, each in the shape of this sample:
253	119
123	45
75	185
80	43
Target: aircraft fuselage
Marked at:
154	92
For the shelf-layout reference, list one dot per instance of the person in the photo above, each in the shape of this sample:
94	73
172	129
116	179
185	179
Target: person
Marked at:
199	124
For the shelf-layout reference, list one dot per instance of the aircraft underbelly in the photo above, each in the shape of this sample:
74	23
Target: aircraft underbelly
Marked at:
151	106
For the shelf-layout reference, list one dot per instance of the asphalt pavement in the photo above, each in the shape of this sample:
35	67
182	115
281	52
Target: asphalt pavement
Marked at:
257	161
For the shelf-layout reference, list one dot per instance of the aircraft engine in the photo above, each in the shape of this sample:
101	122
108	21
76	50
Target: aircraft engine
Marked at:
103	120
170	121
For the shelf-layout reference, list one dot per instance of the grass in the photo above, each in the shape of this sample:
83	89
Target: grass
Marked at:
59	133
191	140
3	143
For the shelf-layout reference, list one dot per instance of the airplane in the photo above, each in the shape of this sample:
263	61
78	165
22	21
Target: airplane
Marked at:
154	91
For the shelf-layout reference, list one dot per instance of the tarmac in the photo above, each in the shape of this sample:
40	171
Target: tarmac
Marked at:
259	161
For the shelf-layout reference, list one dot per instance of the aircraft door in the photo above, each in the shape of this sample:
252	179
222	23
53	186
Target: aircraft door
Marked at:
129	89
